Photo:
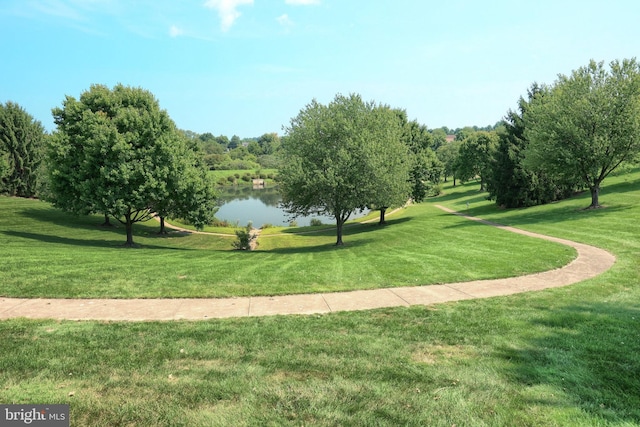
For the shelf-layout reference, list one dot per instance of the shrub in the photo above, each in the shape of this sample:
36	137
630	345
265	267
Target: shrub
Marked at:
221	223
231	178
293	223
246	177
316	222
244	238
435	190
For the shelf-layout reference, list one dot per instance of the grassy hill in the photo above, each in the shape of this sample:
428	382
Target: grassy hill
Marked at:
561	357
47	253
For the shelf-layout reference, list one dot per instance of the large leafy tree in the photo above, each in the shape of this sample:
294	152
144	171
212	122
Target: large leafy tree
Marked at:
116	152
334	155
448	155
586	124
21	147
475	155
190	186
392	164
426	168
511	183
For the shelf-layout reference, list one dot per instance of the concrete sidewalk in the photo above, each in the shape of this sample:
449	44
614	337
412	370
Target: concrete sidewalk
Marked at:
590	262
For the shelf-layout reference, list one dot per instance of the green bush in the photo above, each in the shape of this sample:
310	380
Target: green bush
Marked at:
244	238
316	222
221	223
435	190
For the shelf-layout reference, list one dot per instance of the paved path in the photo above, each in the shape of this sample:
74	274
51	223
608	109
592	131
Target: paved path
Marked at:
590	262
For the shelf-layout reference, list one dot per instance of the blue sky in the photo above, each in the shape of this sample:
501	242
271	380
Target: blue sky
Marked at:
246	67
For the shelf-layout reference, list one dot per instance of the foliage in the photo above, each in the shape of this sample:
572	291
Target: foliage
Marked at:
511	183
332	162
116	152
425	168
244	238
438	138
5	168
392	164
21	149
190	188
448	155
224	177
586	124
475	155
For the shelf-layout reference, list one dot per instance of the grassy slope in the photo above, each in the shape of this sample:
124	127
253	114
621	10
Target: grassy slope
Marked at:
225	173
561	357
48	254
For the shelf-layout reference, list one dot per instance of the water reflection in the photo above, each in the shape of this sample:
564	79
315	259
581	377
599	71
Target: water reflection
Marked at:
242	204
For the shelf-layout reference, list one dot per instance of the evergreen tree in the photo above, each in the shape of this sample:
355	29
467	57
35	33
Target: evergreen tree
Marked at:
21	147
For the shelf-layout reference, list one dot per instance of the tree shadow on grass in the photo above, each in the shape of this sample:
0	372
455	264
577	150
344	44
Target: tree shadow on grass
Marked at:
352	237
62	219
350	228
560	213
554	211
94	223
590	353
320	248
97	243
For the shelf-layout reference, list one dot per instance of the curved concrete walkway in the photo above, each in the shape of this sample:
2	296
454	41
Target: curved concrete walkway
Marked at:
590	262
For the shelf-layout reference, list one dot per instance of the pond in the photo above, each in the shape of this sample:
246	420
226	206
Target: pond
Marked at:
241	204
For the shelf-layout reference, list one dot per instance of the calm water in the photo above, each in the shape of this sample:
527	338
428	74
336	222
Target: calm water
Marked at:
260	206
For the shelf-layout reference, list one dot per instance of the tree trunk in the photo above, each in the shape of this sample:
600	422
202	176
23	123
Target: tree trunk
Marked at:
162	229
339	224
107	222
129	227
382	212
454	180
595	192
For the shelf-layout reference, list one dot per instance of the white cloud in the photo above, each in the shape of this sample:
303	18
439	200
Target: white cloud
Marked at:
302	2
285	21
226	10
175	31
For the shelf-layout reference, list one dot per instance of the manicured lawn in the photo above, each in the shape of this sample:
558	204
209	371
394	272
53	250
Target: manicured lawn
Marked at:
46	253
561	357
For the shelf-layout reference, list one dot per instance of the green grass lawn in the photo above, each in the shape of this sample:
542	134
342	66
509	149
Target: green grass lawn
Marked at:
561	357
46	253
224	174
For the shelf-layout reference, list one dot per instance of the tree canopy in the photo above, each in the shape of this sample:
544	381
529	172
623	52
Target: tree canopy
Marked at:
586	124
116	152
21	149
511	183
336	159
475	154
